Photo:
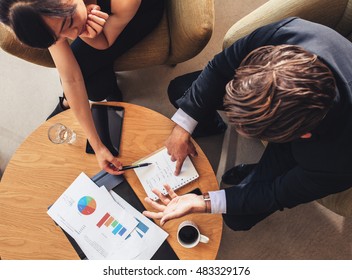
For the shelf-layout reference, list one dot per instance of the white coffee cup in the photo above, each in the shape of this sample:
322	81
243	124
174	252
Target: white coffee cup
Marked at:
188	235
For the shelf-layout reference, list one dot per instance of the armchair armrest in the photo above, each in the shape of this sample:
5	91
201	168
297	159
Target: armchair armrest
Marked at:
326	12
191	25
10	44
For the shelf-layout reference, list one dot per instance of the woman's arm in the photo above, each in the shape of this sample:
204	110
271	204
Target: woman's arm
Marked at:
76	95
101	31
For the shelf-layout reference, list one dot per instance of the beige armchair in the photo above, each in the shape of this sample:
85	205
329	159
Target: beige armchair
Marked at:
336	14
183	32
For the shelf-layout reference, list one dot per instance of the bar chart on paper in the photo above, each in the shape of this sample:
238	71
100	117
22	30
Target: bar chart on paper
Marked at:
108	221
141	228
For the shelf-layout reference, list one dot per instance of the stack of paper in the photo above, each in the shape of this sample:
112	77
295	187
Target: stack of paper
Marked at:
103	224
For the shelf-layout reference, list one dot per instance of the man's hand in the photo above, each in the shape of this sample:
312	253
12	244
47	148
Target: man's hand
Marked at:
95	22
179	146
174	206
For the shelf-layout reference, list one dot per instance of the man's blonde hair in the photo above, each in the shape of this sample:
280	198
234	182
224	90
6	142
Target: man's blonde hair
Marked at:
279	93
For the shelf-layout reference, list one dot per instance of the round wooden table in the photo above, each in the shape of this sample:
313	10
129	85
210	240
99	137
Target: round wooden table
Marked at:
40	171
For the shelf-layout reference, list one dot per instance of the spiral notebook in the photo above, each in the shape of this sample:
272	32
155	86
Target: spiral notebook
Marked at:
161	172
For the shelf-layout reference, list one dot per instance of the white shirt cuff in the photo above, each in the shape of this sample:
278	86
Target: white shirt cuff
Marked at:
184	120
218	202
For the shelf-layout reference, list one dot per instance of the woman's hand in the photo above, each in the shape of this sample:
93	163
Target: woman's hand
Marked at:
174	206
108	162
95	22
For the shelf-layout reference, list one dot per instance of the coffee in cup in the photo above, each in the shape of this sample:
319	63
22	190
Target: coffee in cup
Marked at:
188	235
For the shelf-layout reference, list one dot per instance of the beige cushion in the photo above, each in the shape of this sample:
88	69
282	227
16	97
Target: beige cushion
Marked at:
191	25
327	12
152	50
10	44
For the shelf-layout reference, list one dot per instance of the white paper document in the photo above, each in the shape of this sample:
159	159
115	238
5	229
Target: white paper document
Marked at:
101	227
145	239
161	172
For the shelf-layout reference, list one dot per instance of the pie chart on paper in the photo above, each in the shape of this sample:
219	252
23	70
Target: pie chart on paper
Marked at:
87	205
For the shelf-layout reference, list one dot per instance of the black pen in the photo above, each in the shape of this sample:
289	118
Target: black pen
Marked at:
134	166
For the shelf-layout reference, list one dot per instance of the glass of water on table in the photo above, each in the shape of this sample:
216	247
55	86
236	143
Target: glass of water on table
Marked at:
59	134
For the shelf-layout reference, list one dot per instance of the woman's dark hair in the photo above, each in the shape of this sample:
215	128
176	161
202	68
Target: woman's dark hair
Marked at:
25	18
279	93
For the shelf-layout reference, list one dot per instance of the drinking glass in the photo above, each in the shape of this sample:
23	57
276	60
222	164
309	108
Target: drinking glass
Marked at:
59	134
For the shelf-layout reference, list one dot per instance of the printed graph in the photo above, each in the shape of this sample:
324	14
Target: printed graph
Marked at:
109	221
141	228
87	205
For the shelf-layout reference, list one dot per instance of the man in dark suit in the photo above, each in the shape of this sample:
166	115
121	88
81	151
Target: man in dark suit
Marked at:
288	83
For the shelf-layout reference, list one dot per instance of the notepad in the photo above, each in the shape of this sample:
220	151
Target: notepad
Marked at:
162	172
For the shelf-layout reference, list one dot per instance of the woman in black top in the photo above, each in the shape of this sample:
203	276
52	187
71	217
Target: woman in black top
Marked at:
101	31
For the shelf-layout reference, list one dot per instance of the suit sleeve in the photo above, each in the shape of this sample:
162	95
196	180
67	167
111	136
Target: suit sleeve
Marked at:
296	186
